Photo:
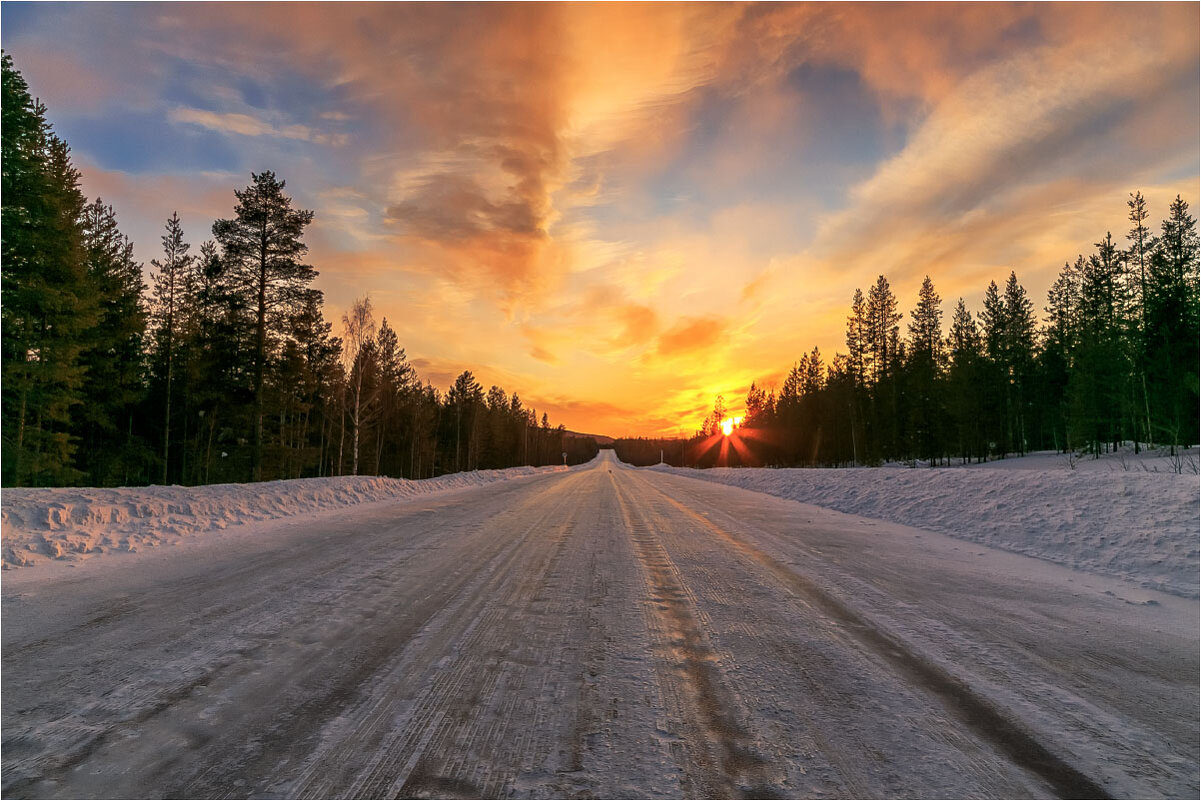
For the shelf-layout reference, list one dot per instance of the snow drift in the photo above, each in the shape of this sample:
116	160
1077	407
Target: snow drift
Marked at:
1138	526
40	524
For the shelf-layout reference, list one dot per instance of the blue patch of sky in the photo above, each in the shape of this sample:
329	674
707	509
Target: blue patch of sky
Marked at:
145	142
838	139
1021	34
252	92
192	85
843	126
20	18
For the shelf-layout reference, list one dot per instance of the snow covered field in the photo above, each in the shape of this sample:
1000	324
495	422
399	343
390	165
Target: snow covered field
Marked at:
1139	522
75	523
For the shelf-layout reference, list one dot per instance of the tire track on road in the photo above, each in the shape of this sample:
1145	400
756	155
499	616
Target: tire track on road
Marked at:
272	650
462	627
716	739
973	710
435	721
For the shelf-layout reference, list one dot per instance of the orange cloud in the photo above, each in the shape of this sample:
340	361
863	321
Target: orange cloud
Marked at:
638	324
691	334
543	355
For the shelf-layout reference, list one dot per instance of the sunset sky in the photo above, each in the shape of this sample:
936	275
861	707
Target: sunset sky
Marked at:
620	211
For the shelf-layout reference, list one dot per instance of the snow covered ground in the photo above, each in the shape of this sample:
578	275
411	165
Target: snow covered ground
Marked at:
74	523
1139	524
603	632
1186	461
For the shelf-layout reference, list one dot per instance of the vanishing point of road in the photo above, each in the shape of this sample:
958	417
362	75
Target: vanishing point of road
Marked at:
603	632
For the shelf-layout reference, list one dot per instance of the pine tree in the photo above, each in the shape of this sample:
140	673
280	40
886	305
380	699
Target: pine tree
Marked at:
169	301
1099	368
1172	327
262	246
882	329
114	360
218	380
465	396
994	369
925	365
1061	338
397	382
311	377
755	404
1142	244
788	414
812	373
884	349
992	322
857	339
712	425
857	369
47	302
813	382
925	327
964	380
1019	358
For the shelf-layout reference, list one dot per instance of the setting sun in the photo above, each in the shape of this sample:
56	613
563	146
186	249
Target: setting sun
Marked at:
729	424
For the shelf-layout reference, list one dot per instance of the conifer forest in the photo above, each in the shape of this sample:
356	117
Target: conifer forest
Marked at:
223	368
1114	359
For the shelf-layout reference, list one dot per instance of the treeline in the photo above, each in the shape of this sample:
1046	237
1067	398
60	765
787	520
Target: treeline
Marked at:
1114	360
642	451
225	368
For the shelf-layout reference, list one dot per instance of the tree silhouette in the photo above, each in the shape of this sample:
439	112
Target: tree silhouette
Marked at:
262	246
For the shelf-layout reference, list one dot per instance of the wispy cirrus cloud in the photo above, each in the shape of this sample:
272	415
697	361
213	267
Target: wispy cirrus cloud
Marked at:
247	125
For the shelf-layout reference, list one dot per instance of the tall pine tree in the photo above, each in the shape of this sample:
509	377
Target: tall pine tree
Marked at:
263	246
169	303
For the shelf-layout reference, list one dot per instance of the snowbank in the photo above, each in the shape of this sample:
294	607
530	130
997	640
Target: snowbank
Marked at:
1139	526
40	524
1157	459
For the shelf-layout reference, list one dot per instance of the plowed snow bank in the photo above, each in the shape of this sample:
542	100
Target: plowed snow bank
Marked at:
39	524
1138	526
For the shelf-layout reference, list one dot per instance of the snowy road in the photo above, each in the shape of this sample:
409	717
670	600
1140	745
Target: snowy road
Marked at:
604	632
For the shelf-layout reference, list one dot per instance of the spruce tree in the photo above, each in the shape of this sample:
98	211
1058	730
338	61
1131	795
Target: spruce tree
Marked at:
464	398
169	302
1172	327
857	339
1019	358
1142	244
1060	344
47	302
397	381
755	404
1100	367
115	382
994	369
882	328
884	348
925	366
965	391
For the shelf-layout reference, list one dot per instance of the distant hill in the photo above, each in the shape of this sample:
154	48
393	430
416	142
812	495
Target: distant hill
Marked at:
601	439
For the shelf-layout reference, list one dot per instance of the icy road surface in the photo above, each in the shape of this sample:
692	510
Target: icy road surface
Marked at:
604	632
